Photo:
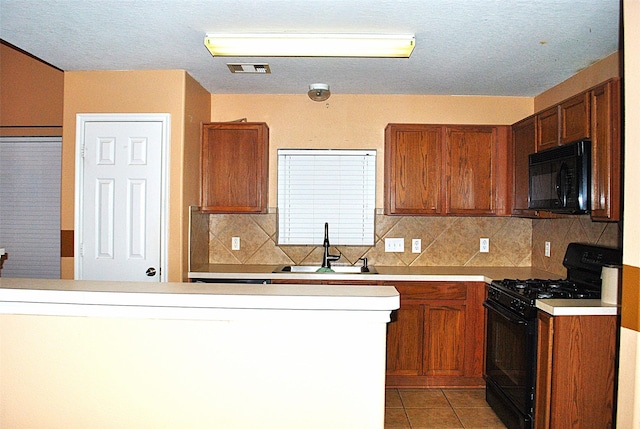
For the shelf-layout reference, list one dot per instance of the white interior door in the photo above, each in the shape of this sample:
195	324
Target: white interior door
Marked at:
119	217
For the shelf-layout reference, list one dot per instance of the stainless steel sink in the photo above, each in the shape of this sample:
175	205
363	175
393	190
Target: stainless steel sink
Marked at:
337	269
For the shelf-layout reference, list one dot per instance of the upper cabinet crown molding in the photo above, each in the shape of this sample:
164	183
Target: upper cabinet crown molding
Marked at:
235	165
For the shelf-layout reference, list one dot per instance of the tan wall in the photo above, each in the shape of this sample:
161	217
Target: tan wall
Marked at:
134	92
197	110
357	121
30	95
591	76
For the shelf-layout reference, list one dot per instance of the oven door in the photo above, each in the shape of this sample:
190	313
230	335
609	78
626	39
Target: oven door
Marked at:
510	365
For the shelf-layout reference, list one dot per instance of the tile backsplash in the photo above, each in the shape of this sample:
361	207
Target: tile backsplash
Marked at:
560	232
446	241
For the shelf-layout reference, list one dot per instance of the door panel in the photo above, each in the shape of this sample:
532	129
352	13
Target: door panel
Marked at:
121	201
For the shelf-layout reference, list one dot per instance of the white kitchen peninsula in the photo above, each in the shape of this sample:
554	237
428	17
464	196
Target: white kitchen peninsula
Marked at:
78	354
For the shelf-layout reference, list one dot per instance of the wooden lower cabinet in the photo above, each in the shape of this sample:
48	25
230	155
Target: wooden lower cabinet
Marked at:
576	372
436	338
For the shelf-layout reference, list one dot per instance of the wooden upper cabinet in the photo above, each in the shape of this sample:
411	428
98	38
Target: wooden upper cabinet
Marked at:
574	119
563	123
470	173
235	164
523	143
413	169
606	157
548	128
439	169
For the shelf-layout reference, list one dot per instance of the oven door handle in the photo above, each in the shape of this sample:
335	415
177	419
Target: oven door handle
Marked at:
502	312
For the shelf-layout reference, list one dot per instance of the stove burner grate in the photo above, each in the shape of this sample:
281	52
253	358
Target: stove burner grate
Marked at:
548	288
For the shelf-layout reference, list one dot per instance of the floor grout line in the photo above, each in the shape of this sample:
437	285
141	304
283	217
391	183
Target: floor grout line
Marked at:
408	424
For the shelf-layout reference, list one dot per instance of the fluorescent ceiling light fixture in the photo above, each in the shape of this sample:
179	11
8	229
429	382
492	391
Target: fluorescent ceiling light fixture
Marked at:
310	45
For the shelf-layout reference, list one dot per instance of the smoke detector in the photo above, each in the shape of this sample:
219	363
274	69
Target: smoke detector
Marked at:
319	91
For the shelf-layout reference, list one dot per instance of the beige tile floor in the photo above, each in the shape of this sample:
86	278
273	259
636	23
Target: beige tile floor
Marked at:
439	408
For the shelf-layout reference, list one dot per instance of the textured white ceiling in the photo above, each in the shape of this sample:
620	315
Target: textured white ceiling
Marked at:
464	47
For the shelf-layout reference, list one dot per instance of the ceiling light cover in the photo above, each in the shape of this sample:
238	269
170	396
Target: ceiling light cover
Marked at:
319	91
310	45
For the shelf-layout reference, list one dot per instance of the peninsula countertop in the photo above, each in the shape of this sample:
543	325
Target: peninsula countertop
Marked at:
183	300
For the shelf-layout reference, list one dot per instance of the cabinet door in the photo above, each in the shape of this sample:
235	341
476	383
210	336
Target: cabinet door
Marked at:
469	176
444	328
413	169
583	372
523	144
235	163
606	158
574	119
405	335
547	129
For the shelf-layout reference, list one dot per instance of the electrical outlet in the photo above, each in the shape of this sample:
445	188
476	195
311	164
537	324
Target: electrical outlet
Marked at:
484	245
416	245
394	245
235	243
547	249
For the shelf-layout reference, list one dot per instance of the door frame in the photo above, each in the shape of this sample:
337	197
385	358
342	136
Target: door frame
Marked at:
81	120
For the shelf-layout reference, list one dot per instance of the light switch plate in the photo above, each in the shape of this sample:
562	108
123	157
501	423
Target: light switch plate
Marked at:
484	245
394	245
547	249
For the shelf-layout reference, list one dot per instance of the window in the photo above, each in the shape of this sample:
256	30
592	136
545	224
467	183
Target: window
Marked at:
334	186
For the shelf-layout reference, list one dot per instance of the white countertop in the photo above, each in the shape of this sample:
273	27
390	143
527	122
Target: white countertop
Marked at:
385	273
183	300
577	307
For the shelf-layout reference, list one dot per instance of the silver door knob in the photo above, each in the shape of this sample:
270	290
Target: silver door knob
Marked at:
151	272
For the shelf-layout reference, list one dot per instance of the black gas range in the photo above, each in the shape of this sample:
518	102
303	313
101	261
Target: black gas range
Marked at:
520	295
511	340
584	265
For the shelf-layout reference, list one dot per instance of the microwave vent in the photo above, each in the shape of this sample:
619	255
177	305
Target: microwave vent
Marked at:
259	68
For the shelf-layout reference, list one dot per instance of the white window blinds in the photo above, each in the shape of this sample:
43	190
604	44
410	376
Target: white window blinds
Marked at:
334	186
30	205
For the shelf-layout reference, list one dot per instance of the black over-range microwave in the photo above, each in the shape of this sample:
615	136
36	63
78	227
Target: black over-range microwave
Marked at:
560	178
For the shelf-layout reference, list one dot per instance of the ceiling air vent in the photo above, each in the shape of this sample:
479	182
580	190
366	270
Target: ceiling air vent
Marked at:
248	68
